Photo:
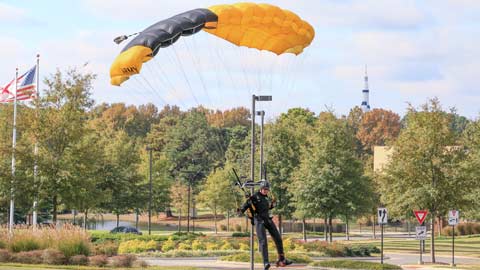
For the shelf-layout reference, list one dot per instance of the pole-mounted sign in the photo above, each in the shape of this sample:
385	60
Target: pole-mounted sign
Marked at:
382	216
420	215
421	232
452	217
453	220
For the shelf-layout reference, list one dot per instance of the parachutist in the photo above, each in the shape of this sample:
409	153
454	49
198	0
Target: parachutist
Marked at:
261	202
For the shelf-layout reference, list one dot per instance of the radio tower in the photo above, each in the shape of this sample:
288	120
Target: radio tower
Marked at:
365	103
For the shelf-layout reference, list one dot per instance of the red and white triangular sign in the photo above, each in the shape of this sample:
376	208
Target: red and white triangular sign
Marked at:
420	215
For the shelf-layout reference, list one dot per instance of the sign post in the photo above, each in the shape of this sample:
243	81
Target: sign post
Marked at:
382	219
421	231
453	220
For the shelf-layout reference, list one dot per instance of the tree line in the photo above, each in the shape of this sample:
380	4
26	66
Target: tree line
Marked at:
93	158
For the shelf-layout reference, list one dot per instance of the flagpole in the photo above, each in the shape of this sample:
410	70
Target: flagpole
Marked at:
12	194
35	151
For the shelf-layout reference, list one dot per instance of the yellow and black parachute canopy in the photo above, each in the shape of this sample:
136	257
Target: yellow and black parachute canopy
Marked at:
259	26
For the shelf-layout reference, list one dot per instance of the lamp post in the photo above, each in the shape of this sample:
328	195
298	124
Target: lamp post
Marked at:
262	116
252	165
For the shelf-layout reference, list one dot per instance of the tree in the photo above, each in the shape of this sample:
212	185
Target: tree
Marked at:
216	193
62	125
423	172
378	127
286	140
330	178
86	190
471	168
122	178
193	149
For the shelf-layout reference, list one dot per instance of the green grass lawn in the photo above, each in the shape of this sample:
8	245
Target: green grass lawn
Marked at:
17	266
464	246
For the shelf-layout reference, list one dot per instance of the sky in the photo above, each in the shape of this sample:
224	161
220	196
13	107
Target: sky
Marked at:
413	50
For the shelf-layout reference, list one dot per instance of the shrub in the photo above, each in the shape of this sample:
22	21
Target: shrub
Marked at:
288	244
198	245
243	246
223	227
335	250
226	245
108	248
30	257
211	246
300	248
23	242
238	228
98	260
462	229
187	245
79	260
53	256
2	244
245	257
74	246
348	264
5	255
168	245
136	246
240	234
123	260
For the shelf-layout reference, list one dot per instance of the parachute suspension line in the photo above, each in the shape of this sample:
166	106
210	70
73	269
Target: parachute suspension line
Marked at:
157	84
298	64
170	88
185	75
224	64
162	85
241	56
196	65
223	67
138	84
134	93
217	67
152	90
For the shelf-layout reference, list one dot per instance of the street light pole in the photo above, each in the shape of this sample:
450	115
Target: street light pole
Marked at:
262	116
252	167
252	177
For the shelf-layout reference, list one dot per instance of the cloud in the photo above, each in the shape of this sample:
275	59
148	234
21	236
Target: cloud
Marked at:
11	14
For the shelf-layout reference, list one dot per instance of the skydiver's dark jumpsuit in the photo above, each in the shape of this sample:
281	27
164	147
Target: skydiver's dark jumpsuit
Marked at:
264	222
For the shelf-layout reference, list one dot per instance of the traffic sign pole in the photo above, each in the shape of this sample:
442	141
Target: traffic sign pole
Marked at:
421	261
453	245
382	244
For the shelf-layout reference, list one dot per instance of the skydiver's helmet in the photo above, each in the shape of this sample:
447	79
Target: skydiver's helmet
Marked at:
264	184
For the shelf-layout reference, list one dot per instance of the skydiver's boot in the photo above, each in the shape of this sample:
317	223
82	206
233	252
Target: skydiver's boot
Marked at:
266	266
282	261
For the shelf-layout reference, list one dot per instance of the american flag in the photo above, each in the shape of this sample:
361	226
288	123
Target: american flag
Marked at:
25	87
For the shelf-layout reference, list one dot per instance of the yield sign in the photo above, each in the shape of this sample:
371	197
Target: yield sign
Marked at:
420	215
